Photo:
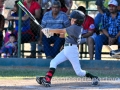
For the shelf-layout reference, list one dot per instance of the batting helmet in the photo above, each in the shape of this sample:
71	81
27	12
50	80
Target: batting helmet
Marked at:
79	15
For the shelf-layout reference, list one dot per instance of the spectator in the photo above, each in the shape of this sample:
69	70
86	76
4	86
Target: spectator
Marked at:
10	47
88	34
110	29
102	6
9	30
54	19
46	6
35	9
2	22
27	34
2	6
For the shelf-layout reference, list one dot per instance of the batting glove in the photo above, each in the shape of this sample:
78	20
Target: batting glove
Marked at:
46	32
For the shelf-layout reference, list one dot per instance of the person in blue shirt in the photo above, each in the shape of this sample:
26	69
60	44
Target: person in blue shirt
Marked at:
10	47
27	34
102	7
54	19
110	28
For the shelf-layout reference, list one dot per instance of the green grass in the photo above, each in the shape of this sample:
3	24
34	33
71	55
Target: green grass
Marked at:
32	72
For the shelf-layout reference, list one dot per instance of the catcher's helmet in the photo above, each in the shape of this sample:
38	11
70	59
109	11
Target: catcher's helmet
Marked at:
79	15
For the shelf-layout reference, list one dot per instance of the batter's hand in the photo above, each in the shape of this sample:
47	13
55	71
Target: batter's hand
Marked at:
47	32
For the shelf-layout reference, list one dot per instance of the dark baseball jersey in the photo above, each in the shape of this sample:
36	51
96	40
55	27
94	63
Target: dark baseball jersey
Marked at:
73	33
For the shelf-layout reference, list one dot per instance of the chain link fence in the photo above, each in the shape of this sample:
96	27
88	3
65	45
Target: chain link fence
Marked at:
31	33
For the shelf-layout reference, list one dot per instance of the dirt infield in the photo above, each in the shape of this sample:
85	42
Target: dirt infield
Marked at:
31	84
23	78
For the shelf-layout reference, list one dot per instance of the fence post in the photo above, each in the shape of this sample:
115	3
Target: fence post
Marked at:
19	32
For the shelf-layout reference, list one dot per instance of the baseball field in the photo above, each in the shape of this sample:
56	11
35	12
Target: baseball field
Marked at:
23	78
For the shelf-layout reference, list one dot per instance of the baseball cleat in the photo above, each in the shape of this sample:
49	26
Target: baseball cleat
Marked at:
38	79
42	81
95	80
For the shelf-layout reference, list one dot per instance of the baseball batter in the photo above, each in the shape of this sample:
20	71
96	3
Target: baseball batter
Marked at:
70	51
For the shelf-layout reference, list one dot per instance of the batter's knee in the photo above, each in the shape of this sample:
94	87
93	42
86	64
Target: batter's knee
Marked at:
53	64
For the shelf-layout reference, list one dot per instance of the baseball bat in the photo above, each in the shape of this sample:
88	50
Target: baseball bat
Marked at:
28	13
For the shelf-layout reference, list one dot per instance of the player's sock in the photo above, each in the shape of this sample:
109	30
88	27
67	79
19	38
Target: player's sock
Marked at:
89	75
49	74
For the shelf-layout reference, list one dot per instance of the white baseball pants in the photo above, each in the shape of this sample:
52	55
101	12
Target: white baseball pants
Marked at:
70	53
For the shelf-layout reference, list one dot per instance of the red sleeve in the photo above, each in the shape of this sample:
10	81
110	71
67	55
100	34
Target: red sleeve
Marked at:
89	23
25	4
34	6
37	6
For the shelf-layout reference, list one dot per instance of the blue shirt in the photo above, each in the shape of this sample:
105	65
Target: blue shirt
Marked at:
61	21
25	24
110	24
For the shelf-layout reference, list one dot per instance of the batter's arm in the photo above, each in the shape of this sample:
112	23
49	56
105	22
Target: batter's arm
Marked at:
57	30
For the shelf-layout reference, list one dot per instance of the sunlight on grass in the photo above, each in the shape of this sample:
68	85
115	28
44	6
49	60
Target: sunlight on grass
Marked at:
32	72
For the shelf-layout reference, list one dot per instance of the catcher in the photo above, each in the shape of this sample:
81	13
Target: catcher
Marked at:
70	51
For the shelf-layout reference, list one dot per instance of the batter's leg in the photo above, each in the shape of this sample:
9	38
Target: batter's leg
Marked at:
46	81
73	57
